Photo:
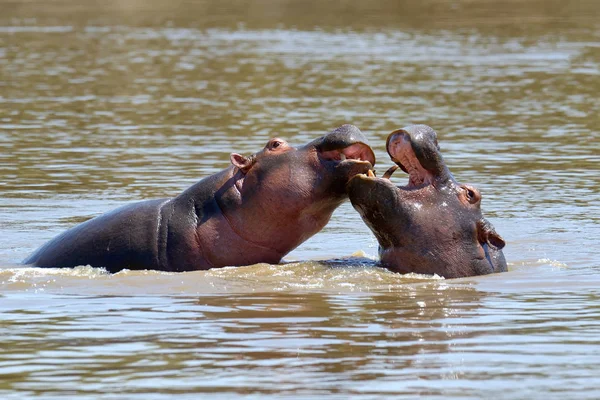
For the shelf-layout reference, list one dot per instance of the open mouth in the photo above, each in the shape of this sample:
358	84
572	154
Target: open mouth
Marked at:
356	151
402	153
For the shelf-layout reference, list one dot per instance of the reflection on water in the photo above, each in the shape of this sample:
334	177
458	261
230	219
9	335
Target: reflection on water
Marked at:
106	103
429	338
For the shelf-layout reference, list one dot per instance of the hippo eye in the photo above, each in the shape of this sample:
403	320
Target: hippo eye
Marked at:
274	144
472	195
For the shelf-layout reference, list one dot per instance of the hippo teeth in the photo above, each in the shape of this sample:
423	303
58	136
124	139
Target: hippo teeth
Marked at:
390	171
342	156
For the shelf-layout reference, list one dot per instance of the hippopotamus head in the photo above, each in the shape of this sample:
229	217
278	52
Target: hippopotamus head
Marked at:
434	224
285	194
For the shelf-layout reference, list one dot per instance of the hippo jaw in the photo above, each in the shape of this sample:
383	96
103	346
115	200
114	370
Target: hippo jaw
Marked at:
342	154
433	225
416	151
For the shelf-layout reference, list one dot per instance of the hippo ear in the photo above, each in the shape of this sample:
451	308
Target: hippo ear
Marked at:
242	162
487	234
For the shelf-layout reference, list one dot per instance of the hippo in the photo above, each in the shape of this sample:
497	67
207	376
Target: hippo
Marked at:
433	225
257	210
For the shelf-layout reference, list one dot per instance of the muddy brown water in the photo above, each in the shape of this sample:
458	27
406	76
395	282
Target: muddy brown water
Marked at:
104	103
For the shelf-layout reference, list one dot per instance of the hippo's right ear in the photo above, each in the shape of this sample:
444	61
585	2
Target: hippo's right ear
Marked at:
242	162
487	234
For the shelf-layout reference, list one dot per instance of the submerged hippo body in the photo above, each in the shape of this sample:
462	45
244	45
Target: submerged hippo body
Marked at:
256	210
434	225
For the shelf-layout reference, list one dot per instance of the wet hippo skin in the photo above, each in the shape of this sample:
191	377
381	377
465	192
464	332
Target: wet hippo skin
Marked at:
434	224
257	210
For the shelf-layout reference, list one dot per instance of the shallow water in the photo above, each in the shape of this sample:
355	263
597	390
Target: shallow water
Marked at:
103	104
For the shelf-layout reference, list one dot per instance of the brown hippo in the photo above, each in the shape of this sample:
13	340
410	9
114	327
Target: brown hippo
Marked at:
257	210
434	224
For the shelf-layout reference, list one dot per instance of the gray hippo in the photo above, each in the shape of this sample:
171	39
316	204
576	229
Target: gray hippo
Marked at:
257	210
433	225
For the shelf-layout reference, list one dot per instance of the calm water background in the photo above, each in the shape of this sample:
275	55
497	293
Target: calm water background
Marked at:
103	103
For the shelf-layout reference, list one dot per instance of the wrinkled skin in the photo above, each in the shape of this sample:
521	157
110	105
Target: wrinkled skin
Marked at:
433	225
256	210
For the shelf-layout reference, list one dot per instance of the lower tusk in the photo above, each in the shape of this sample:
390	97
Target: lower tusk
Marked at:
342	156
370	173
389	172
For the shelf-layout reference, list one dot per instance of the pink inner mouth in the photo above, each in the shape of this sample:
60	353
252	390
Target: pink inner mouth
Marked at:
356	151
401	151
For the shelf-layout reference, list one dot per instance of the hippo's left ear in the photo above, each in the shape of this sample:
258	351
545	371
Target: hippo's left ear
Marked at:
487	234
242	162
